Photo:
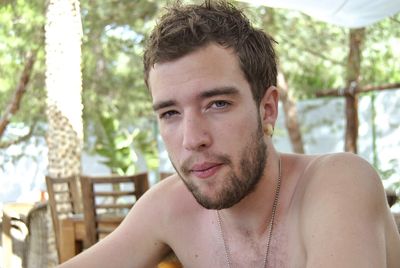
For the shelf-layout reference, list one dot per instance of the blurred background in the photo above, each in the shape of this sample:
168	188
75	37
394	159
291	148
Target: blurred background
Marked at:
80	106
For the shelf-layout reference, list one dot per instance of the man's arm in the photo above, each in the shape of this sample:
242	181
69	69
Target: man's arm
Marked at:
135	243
343	214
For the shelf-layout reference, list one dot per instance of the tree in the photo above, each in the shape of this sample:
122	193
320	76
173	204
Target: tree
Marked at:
315	56
289	107
113	78
21	73
64	86
15	102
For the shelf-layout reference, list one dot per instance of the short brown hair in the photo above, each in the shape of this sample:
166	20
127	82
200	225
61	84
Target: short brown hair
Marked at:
185	28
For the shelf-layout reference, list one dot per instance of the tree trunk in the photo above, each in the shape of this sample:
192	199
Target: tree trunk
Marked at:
14	104
289	107
64	87
289	104
353	79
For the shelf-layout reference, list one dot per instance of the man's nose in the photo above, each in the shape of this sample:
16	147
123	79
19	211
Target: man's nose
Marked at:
196	135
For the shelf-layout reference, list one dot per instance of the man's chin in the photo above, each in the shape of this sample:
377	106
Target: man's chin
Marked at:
206	196
207	204
204	200
213	202
215	206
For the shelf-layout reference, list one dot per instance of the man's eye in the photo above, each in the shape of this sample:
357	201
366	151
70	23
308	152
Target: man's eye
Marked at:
219	104
168	114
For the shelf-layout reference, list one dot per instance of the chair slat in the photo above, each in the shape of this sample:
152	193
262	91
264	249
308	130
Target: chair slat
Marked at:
65	210
112	179
105	230
61	180
61	192
116	193
91	191
126	205
109	219
63	201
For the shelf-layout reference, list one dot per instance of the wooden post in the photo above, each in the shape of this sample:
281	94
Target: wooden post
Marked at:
64	137
353	78
289	107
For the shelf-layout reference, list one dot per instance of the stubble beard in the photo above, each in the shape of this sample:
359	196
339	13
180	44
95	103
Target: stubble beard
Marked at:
237	186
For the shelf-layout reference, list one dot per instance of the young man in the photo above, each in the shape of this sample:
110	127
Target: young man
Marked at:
235	201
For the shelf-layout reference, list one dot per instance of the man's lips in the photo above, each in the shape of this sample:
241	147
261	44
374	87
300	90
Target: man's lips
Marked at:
205	170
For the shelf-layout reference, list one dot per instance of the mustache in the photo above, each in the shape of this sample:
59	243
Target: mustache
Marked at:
218	158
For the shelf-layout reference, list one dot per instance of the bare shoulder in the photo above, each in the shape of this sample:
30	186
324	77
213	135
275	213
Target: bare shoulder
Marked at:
166	205
164	201
344	183
343	173
344	215
141	240
172	193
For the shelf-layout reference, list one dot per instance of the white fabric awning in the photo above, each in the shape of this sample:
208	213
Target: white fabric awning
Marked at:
347	13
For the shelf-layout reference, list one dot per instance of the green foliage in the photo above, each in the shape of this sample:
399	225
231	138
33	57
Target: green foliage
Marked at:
381	55
21	31
113	83
112	65
117	146
387	175
313	55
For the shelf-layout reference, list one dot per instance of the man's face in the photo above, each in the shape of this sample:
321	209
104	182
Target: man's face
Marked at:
210	125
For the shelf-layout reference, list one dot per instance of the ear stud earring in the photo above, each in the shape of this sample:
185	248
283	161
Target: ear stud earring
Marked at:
269	129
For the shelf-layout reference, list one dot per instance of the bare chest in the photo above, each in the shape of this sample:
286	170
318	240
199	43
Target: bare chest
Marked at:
203	246
287	250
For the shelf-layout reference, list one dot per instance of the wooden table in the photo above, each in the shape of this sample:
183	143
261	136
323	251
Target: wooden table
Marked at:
73	235
13	213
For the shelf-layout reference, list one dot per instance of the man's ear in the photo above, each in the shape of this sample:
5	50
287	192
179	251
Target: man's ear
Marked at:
269	106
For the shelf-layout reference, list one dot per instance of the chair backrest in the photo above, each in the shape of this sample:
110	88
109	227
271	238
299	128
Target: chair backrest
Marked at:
107	200
63	200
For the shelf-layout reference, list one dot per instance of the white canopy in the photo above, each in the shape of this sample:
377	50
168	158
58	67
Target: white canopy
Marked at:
347	13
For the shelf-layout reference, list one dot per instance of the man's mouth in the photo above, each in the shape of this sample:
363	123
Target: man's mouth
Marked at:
205	170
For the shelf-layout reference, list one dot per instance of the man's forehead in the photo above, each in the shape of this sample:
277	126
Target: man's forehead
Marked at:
204	70
211	51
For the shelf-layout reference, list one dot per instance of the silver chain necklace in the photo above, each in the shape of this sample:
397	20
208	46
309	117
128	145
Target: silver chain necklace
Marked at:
271	224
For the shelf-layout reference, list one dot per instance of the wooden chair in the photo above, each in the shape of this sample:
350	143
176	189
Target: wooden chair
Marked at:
63	202
107	200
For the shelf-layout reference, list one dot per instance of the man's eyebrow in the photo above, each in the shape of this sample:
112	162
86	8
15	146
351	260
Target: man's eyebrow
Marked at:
163	104
219	91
